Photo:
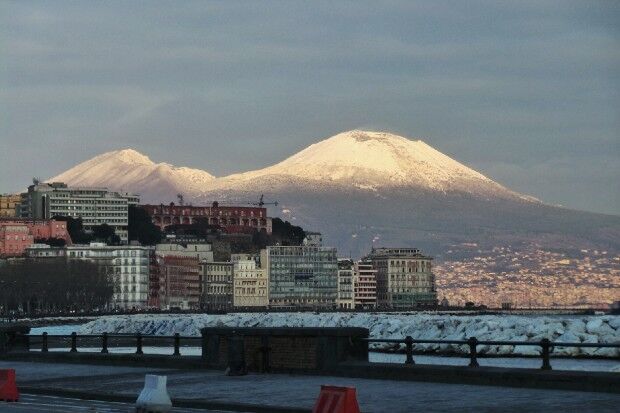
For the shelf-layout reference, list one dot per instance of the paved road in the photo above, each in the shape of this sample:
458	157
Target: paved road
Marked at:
293	391
32	403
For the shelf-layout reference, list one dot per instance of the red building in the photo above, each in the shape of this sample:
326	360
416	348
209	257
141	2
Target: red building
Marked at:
234	219
179	282
18	234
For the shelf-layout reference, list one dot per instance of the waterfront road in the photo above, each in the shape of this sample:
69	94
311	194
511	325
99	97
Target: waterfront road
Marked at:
282	392
33	403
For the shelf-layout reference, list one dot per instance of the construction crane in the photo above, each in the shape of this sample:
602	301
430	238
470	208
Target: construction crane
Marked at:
262	202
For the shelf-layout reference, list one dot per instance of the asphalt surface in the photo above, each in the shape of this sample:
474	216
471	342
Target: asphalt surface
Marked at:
32	403
268	393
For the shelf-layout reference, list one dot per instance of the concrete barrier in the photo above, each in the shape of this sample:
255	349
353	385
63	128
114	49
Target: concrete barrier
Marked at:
283	349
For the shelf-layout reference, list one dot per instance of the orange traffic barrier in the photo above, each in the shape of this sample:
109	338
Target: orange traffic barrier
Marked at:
334	399
8	388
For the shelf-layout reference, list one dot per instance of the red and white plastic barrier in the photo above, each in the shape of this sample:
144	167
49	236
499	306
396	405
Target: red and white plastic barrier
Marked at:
333	399
8	387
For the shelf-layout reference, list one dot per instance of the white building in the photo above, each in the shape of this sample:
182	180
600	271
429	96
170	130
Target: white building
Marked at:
45	251
313	239
201	251
404	278
95	206
345	300
301	276
251	284
127	265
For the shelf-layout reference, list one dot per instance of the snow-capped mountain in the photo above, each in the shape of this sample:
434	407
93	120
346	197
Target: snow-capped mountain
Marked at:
129	170
362	189
373	160
368	161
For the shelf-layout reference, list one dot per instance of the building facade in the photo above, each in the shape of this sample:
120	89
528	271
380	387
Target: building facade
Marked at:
251	285
234	219
95	206
126	265
45	251
345	299
179	282
9	205
217	282
404	278
301	276
16	234
364	286
201	251
176	281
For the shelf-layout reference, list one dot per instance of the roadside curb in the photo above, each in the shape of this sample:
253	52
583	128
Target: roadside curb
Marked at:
196	404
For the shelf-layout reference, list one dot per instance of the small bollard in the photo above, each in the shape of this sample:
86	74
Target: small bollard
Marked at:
44	347
409	350
73	342
104	343
154	397
139	343
545	344
473	353
177	345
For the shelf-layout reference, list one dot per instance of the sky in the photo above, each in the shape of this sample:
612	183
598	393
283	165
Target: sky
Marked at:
525	92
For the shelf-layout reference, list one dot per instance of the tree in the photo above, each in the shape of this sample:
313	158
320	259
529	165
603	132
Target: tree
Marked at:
52	242
141	227
75	229
53	285
105	233
286	233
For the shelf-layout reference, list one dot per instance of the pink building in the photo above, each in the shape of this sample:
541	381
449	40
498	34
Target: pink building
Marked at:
18	234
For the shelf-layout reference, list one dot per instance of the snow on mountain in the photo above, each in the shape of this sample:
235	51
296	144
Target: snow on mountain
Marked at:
129	170
369	160
362	160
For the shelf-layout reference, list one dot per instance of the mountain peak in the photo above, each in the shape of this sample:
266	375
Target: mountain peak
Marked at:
360	135
375	159
128	155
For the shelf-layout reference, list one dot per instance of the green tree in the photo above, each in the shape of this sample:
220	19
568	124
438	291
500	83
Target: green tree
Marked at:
75	229
105	233
141	227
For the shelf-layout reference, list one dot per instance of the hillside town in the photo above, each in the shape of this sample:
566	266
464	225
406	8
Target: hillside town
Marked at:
215	258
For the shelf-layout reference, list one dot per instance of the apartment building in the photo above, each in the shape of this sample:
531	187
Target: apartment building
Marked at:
9	205
251	284
95	206
345	299
303	276
364	286
179	282
126	265
404	278
217	286
201	251
17	234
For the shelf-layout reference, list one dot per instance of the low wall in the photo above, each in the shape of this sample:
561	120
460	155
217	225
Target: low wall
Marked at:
283	349
14	337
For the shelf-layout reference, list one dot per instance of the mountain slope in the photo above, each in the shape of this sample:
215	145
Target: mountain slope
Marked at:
370	161
129	170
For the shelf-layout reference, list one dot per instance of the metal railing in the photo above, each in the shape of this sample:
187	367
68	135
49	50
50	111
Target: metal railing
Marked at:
105	341
546	346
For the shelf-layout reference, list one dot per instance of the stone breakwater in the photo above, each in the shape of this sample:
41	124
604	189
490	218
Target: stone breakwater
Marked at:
567	329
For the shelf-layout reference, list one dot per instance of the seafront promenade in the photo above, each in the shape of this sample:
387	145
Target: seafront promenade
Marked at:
213	390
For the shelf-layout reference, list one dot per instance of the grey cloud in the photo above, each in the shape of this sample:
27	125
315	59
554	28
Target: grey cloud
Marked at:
239	85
